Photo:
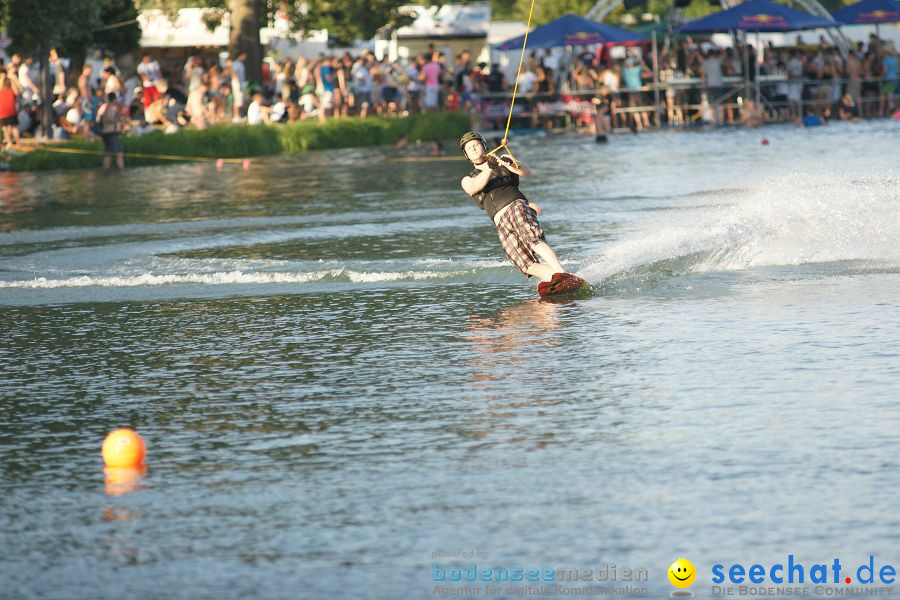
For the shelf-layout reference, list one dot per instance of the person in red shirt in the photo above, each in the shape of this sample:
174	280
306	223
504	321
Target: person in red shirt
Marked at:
150	93
9	119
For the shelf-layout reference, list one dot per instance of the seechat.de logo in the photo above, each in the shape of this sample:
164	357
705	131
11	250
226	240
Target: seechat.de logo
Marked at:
798	572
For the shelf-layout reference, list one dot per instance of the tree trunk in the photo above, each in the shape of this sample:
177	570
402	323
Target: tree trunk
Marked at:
244	36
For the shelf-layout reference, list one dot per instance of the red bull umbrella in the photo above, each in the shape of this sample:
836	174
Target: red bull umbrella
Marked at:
572	30
757	15
869	12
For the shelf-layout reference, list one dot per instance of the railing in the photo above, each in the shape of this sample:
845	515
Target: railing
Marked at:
687	96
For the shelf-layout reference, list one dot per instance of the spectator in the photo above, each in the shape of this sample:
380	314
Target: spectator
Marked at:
413	88
111	118
113	84
889	67
847	109
258	113
495	80
9	120
527	79
148	69
854	76
430	75
632	75
30	91
195	74
795	86
196	108
58	73
85	88
309	103
238	79
326	82
713	82
362	85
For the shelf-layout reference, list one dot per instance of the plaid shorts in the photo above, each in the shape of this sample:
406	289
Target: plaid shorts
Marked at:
519	232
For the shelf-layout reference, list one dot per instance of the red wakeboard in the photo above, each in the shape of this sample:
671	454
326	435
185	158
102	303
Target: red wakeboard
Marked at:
562	284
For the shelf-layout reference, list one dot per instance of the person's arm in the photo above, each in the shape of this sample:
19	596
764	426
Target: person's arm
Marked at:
522	169
473	185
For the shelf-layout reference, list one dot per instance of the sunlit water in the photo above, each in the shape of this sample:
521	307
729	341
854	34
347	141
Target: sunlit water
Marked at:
338	375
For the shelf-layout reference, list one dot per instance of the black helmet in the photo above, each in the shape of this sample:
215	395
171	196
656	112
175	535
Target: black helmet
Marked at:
468	137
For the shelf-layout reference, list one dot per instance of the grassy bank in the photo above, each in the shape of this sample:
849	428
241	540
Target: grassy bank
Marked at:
239	141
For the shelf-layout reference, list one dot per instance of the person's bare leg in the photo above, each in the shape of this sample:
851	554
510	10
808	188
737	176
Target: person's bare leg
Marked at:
541	271
548	256
106	160
120	161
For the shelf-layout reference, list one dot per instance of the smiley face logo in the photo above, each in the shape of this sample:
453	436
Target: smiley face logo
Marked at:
682	573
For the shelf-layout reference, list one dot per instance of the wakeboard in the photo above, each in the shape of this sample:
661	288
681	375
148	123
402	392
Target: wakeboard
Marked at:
563	285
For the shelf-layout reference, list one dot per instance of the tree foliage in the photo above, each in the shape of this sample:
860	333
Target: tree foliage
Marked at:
347	19
66	25
70	26
120	32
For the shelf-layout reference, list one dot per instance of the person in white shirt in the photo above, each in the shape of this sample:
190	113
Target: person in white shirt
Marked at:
527	80
713	81
257	112
238	78
795	87
149	69
30	90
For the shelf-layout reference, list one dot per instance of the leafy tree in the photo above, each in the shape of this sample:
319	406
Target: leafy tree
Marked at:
66	25
544	11
119	32
349	19
36	27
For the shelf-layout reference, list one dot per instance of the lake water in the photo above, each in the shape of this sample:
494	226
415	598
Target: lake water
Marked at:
338	376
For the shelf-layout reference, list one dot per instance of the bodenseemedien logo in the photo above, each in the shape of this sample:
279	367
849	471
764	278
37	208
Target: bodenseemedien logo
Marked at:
682	574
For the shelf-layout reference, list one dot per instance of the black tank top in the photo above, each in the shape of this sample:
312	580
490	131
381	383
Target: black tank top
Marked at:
501	190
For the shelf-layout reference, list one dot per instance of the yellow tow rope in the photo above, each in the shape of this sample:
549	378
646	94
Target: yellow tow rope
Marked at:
503	142
138	155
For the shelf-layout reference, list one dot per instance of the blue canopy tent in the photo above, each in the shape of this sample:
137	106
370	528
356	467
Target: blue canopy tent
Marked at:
756	15
869	12
572	30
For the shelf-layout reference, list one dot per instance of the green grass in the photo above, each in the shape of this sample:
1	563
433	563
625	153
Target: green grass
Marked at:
239	141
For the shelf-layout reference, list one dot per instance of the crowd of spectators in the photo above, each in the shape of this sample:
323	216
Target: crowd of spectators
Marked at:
694	81
701	82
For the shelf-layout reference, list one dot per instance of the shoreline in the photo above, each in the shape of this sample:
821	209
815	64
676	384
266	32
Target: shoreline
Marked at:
236	142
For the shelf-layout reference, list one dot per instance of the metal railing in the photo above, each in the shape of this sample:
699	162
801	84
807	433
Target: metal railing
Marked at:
690	98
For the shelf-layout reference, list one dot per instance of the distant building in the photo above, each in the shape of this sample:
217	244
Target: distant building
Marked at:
172	41
450	28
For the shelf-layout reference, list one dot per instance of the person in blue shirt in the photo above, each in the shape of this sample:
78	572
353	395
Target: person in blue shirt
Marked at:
327	81
811	119
888	84
632	72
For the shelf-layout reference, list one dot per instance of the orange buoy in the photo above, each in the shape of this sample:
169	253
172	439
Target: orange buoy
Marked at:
220	164
123	448
246	164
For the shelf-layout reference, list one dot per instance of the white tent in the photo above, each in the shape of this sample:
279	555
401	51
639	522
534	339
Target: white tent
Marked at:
449	20
188	30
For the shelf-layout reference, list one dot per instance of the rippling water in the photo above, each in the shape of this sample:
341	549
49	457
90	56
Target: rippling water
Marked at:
338	375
